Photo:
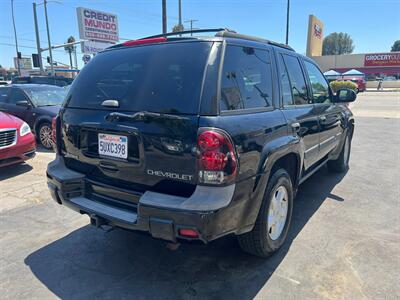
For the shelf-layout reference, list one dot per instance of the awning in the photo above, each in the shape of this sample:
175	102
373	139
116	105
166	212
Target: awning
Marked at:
332	73
353	72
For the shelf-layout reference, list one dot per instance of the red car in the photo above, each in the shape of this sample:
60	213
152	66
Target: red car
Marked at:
359	80
17	143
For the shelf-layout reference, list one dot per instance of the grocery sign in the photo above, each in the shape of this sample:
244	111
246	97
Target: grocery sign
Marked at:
97	25
382	59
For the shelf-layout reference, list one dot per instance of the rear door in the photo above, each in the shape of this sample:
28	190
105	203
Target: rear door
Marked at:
297	105
329	115
131	117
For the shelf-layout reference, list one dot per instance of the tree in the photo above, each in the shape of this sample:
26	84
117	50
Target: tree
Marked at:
396	46
70	49
177	28
337	43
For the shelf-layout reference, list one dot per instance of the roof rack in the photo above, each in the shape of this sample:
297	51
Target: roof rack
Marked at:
220	32
232	34
187	32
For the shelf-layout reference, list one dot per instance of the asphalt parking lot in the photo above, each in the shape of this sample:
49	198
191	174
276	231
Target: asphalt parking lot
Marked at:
344	242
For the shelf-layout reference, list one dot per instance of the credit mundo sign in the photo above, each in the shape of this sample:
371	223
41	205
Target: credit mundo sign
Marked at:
382	59
97	25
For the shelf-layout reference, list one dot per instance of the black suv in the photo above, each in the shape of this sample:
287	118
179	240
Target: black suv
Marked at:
197	138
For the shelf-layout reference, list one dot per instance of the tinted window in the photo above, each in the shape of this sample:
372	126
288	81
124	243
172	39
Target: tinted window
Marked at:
319	86
286	89
4	94
46	95
157	78
246	79
297	82
17	95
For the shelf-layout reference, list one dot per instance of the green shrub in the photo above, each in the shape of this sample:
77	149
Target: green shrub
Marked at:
337	85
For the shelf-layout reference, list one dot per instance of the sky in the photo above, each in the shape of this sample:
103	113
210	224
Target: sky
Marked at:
373	24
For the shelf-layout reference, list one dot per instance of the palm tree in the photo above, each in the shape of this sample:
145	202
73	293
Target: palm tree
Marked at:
70	49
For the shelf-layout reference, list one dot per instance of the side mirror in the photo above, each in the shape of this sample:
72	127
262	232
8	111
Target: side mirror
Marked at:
23	103
345	95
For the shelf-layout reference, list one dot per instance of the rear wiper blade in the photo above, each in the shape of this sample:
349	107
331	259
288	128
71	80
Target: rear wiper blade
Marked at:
141	116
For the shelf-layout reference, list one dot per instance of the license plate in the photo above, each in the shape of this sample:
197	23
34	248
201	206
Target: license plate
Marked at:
113	145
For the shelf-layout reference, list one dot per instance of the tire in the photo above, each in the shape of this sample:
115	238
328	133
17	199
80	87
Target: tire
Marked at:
45	135
341	164
262	241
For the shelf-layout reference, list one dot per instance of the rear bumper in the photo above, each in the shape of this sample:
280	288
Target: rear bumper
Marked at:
206	211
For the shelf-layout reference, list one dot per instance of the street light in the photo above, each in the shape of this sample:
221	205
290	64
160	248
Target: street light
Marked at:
15	36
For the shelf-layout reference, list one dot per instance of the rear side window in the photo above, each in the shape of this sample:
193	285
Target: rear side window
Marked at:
297	82
245	79
319	86
157	78
287	98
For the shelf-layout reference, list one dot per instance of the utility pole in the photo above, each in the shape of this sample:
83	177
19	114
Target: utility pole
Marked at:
191	21
37	38
180	13
164	16
48	38
15	36
287	22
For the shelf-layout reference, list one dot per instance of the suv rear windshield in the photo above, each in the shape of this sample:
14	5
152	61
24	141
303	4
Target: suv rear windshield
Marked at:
157	78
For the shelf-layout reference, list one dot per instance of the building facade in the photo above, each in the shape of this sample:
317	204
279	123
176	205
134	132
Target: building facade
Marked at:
373	65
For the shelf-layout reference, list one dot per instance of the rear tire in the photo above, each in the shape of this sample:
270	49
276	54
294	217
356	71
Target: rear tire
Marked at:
266	238
45	135
341	164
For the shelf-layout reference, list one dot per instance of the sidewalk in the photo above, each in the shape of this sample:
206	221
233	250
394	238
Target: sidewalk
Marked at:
383	90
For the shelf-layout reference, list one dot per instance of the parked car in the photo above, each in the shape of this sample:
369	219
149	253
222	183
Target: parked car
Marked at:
36	104
51	80
359	80
3	82
198	138
17	143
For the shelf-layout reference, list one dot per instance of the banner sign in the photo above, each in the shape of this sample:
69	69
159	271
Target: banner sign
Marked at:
24	63
97	25
382	59
93	47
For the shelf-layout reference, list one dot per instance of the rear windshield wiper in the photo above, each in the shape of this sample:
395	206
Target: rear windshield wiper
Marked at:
141	116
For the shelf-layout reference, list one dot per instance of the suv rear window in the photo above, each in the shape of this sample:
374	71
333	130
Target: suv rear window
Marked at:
157	78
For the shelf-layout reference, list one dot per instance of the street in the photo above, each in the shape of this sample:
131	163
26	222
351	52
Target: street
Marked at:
343	243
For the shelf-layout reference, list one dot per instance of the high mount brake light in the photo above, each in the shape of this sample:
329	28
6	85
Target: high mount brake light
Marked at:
217	160
145	41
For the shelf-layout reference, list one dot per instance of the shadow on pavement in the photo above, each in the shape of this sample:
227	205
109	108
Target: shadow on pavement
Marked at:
42	149
118	264
14	170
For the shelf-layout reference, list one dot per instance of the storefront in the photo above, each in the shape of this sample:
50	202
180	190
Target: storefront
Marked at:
373	65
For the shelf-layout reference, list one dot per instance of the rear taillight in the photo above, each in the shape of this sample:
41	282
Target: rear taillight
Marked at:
217	161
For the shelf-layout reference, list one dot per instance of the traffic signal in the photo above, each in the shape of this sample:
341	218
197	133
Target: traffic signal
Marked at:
19	55
48	59
36	61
